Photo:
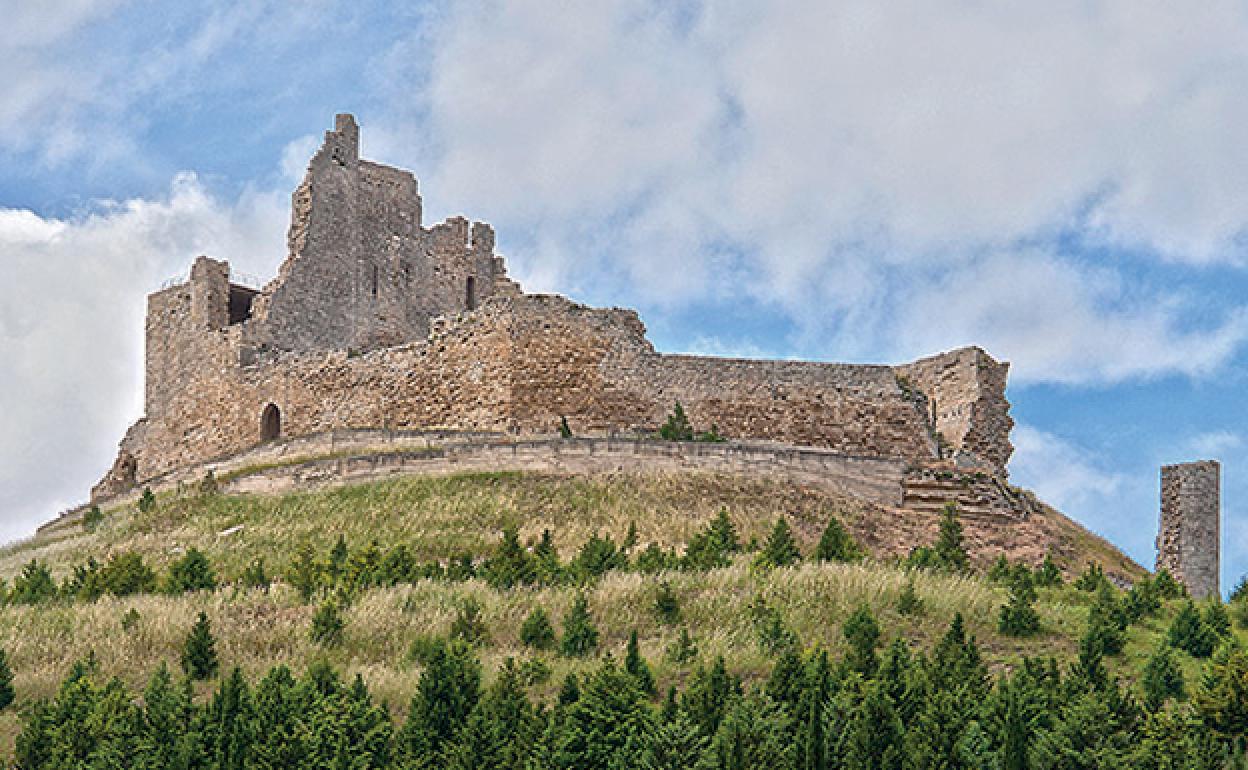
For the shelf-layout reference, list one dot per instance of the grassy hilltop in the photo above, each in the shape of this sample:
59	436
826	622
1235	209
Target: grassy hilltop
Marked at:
735	610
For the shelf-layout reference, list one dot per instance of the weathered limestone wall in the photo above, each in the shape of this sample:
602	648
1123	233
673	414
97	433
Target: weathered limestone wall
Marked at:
965	394
377	322
1188	541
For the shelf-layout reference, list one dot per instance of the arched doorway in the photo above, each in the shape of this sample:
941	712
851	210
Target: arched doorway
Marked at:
270	423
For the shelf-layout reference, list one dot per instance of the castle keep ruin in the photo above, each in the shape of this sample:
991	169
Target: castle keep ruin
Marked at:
377	321
1188	538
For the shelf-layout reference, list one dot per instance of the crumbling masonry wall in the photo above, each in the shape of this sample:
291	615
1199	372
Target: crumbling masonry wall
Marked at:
377	322
1188	540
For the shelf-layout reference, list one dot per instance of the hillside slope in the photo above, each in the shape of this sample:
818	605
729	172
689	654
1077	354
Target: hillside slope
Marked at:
440	518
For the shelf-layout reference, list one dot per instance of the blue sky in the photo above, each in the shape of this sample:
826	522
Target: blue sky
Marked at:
1065	185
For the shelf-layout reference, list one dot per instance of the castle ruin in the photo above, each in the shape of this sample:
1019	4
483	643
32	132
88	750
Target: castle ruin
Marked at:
376	321
1188	537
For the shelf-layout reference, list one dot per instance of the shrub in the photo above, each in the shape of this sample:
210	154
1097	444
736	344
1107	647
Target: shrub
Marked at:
580	637
126	573
327	625
199	652
1000	571
92	518
130	620
254	575
677	427
147	500
537	631
565	431
33	585
711	436
780	550
1092	579
666	604
836	544
654	559
190	573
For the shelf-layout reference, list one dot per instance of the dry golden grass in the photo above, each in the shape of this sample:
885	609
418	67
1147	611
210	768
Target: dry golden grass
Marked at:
438	517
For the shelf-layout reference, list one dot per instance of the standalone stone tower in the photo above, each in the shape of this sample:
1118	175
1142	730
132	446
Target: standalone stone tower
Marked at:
1188	540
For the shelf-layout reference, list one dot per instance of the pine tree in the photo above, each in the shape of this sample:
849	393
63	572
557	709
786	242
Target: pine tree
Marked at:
468	626
33	585
754	733
199	653
863	635
1049	575
304	572
537	631
6	681
510	565
1018	616
836	544
950	552
666	605
673	744
502	729
708	694
1188	632
336	564
446	694
580	637
908	602
780	549
327	625
636	665
873	738
596	729
231	723
192	572
677	427
1162	679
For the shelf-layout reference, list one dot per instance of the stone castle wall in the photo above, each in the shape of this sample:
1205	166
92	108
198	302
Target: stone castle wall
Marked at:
377	322
1188	538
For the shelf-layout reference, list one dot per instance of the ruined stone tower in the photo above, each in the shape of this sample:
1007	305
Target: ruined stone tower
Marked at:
1188	539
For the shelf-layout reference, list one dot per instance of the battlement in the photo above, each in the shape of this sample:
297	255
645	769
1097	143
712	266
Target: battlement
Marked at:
376	321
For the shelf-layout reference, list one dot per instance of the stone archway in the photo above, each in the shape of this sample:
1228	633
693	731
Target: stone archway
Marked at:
270	423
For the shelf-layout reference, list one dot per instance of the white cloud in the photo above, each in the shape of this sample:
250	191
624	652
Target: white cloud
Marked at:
1066	476
885	174
1215	444
71	319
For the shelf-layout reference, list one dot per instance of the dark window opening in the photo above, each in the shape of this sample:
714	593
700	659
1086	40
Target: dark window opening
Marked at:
470	293
374	280
240	303
270	423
